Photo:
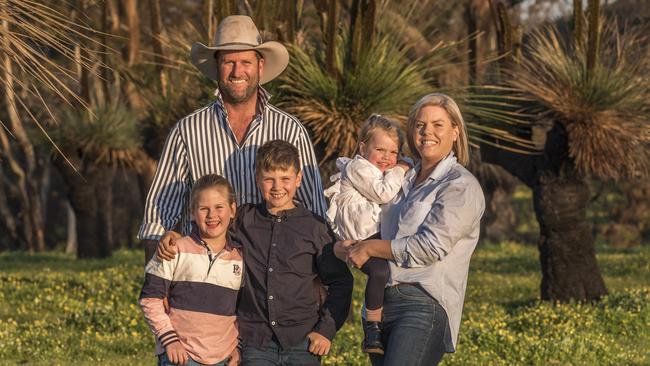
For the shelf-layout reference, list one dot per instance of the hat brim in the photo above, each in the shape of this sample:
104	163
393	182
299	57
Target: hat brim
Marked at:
276	58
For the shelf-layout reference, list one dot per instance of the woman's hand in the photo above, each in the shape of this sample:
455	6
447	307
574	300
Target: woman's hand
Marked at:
167	249
358	254
342	247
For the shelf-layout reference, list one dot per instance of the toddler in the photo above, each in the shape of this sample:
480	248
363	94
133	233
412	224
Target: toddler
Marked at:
373	177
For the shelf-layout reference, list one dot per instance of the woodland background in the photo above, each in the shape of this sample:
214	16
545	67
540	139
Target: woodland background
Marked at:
556	97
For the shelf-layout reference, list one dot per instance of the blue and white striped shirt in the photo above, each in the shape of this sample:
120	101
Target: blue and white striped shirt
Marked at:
203	143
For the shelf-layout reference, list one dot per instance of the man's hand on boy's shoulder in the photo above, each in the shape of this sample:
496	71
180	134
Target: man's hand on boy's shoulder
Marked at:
167	249
318	344
176	353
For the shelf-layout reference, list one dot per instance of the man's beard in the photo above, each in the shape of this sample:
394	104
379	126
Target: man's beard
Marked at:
234	97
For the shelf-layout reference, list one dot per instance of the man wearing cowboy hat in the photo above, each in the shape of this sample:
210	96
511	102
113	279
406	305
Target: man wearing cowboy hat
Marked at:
223	137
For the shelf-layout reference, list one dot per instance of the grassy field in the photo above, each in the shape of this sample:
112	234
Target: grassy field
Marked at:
56	310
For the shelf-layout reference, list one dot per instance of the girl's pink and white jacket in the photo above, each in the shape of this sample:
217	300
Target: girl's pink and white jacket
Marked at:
201	288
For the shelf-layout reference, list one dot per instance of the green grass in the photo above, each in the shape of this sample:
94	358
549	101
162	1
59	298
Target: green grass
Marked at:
57	310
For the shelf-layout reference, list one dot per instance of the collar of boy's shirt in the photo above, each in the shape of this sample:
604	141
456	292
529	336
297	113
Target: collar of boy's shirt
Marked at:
194	234
299	210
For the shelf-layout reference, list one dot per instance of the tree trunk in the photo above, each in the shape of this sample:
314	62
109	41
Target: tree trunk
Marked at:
90	200
131	56
560	197
566	246
71	241
158	52
330	37
25	170
472	28
103	187
8	221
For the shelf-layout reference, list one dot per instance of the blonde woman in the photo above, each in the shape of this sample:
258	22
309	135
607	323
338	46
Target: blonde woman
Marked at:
429	232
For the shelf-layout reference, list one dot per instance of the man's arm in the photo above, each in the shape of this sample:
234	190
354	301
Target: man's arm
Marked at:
167	195
311	188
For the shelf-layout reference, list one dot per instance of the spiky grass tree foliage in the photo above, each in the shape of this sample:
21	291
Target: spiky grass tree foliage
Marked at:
593	109
604	111
333	106
109	136
97	145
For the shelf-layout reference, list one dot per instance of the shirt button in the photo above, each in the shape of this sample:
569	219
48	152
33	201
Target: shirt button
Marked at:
273	323
279	220
270	269
271	297
273	245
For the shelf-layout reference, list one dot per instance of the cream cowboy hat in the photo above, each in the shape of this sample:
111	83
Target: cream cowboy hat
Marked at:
239	33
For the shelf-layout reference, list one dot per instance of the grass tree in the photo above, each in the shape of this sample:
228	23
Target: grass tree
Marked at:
589	96
333	107
97	143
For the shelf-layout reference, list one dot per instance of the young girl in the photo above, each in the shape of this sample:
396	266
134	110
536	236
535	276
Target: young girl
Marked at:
201	283
373	177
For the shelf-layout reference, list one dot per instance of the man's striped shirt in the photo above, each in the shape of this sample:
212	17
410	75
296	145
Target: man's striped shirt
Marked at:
203	143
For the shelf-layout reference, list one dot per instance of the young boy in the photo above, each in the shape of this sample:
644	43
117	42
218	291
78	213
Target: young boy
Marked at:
286	247
201	284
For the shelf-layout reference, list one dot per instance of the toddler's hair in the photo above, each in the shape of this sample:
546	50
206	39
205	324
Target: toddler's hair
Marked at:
276	155
377	122
207	182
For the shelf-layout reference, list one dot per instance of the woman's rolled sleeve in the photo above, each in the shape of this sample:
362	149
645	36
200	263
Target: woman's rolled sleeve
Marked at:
451	216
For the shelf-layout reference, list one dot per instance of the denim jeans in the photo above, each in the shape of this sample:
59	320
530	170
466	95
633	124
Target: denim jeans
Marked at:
413	330
273	355
163	360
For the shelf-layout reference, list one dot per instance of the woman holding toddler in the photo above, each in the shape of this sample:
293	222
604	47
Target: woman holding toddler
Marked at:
428	234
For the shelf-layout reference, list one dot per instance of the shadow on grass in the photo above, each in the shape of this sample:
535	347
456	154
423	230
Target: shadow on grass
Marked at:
517	306
507	265
13	262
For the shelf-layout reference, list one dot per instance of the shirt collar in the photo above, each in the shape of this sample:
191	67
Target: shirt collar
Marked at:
262	99
296	211
440	171
194	234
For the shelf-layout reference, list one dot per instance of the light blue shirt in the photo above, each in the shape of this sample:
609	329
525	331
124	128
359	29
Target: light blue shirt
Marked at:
434	228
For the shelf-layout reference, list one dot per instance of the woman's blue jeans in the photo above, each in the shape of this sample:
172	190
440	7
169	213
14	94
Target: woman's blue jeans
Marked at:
414	328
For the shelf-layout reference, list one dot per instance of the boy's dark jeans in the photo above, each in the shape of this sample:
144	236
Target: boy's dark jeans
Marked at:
273	355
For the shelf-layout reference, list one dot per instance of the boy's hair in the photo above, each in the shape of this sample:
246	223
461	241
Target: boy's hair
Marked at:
207	182
276	155
377	122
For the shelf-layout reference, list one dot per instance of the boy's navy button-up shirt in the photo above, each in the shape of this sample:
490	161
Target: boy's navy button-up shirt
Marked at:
283	256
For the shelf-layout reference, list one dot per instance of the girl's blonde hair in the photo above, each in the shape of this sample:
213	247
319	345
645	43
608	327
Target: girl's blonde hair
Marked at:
461	145
377	122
